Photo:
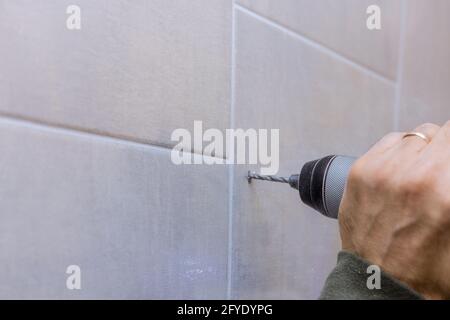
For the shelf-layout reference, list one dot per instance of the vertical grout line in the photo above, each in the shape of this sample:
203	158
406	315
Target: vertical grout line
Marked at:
231	166
400	65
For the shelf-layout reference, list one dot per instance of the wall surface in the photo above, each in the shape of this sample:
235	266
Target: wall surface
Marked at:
86	118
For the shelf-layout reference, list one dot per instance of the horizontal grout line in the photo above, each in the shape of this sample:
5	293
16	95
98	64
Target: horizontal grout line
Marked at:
83	133
315	44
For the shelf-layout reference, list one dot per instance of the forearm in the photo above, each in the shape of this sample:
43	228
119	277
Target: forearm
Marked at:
348	281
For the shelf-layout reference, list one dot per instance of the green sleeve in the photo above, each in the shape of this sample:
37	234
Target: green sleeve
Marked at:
348	281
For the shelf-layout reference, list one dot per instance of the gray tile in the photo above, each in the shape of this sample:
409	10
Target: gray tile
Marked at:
137	69
426	77
341	26
322	106
138	226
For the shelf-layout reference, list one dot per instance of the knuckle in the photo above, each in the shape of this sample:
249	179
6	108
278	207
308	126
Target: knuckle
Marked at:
428	127
376	172
358	172
393	136
371	174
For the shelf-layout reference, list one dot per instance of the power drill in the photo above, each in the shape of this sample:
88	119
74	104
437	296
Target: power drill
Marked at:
321	183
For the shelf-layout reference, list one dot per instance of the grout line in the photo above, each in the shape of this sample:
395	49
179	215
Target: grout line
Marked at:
316	45
82	133
400	65
231	167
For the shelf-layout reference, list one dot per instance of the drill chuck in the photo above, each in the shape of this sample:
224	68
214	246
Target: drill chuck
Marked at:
321	183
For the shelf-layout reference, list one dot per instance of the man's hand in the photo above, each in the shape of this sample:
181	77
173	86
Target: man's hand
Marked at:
395	211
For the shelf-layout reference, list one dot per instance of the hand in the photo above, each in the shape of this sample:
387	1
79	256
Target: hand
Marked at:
395	211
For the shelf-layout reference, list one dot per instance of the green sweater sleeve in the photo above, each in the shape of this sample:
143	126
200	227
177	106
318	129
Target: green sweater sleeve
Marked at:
348	281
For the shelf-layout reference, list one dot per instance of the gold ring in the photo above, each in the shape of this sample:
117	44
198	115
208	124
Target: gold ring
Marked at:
417	134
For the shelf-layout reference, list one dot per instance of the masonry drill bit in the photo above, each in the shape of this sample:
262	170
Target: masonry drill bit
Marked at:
254	175
293	180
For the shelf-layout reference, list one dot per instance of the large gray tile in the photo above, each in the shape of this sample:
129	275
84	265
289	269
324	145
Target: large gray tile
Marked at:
426	77
138	226
137	69
341	26
321	106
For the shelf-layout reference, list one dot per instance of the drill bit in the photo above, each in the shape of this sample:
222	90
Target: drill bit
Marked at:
253	175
